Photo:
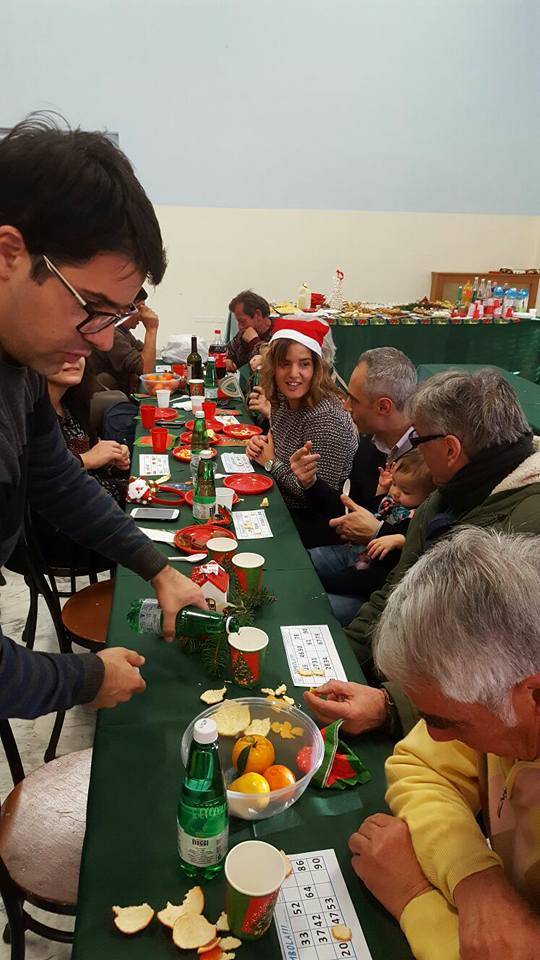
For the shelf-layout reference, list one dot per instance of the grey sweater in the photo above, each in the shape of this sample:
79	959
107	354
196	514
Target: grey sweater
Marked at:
35	466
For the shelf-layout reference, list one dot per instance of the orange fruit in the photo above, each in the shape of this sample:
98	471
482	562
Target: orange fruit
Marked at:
253	754
279	776
250	783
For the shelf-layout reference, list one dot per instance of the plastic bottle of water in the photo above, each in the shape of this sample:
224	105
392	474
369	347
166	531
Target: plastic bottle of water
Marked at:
203	817
204	493
145	616
199	442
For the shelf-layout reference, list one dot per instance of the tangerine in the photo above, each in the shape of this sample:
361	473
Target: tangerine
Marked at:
250	783
253	754
279	776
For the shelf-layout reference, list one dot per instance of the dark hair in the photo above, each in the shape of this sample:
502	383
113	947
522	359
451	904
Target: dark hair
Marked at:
74	194
77	400
251	302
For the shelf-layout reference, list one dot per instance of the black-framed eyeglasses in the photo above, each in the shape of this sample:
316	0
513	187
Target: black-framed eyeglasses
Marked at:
96	320
416	440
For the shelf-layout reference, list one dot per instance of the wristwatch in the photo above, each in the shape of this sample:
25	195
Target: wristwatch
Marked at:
268	465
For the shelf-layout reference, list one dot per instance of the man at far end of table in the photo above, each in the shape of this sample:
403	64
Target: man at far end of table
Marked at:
78	236
461	634
121	367
252	314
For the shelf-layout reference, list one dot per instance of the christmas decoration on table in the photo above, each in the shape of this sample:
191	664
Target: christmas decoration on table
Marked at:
214	583
340	768
142	490
335	297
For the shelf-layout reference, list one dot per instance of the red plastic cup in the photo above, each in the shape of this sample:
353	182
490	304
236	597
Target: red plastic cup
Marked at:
148	415
159	439
209	407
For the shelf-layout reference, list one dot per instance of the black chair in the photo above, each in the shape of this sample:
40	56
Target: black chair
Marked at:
42	824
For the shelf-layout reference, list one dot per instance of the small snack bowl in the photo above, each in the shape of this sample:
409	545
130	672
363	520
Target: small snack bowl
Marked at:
150	382
261	806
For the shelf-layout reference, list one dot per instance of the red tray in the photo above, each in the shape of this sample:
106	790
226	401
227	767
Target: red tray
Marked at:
185	438
201	533
214	425
188	498
248	482
184	454
242	431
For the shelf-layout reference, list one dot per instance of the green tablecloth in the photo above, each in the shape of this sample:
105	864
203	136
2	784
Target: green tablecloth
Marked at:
130	847
528	393
514	346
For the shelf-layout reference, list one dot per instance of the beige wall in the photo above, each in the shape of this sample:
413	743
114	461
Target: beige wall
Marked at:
214	253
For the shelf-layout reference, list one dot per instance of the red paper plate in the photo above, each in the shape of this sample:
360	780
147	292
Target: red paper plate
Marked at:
184	454
185	438
188	497
166	413
193	539
214	425
248	482
242	431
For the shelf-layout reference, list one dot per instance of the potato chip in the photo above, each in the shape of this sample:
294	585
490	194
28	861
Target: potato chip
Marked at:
230	943
131	920
276	727
213	696
286	730
289	700
193	903
268	690
297	731
192	931
264	502
311	673
341	932
222	924
232	718
279	691
261	727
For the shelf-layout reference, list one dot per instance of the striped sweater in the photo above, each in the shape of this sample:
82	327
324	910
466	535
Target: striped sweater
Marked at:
35	465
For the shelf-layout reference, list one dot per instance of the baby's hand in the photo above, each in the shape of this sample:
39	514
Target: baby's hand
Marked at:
379	547
385	479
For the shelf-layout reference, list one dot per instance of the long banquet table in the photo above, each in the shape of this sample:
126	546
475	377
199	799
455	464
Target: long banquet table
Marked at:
130	853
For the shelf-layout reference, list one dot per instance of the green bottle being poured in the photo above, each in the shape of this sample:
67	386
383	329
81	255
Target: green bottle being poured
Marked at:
145	616
203	818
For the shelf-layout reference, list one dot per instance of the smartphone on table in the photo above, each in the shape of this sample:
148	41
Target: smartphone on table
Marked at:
155	513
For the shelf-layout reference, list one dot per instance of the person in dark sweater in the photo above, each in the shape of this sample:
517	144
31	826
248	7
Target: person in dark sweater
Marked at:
78	236
252	314
380	384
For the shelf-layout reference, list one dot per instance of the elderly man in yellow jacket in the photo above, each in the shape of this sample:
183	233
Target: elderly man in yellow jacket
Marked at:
460	869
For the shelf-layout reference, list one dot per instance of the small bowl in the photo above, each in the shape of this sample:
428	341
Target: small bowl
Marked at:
257	806
159	383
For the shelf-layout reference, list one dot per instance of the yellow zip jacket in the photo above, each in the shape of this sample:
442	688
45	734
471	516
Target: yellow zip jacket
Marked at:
438	788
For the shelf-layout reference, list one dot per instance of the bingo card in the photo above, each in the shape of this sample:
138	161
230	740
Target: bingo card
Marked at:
312	655
311	901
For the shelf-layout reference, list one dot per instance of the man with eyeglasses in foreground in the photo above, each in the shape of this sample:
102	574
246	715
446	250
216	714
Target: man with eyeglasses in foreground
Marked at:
485	463
78	237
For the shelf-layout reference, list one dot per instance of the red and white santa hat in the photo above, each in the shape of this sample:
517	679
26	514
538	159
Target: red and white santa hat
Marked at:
310	333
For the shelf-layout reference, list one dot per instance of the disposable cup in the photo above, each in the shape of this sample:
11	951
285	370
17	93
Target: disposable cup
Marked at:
249	570
148	415
159	439
254	873
196	404
163	397
209	407
220	547
247	651
196	388
225	497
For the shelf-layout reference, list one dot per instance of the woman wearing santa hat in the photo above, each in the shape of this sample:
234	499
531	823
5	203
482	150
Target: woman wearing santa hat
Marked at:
305	405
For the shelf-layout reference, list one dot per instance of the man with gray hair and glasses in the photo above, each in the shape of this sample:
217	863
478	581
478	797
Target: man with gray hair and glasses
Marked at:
461	634
380	385
486	465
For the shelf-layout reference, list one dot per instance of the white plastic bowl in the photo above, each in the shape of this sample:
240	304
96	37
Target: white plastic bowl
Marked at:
257	806
150	386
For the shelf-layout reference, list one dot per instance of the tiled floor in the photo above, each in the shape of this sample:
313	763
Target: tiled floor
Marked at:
32	737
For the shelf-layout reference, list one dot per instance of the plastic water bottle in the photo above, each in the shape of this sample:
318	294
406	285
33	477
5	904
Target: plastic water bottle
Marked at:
145	616
522	300
203	817
204	493
199	442
210	380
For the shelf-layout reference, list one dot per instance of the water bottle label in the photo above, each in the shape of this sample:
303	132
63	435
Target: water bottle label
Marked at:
150	616
211	393
202	851
204	508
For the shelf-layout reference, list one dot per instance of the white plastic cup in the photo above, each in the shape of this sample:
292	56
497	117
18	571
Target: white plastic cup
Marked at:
197	404
163	397
224	497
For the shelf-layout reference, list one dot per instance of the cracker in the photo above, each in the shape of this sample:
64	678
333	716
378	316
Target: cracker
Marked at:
341	932
232	718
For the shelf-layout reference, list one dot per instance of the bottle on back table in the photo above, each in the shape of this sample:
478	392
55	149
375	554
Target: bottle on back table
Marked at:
203	817
145	616
194	362
210	380
475	285
204	494
218	345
